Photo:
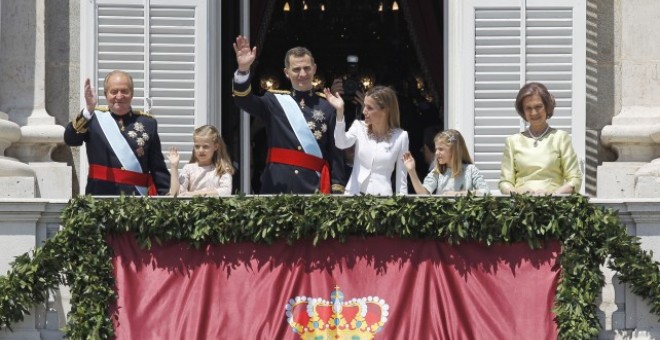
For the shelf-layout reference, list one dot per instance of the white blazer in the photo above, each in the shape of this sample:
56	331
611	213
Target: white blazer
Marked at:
374	161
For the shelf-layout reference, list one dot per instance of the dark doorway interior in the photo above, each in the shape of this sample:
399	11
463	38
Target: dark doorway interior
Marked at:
386	36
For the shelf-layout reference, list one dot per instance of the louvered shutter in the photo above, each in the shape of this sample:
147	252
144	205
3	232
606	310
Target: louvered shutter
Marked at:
515	43
162	44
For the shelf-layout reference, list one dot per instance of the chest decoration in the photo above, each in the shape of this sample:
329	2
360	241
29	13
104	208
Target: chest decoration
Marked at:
120	122
317	124
140	136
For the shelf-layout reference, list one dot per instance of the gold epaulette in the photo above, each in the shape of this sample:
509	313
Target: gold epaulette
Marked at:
103	108
279	91
142	113
320	94
338	188
241	93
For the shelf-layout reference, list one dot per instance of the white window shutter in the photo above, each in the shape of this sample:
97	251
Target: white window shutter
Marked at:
497	73
163	45
515	43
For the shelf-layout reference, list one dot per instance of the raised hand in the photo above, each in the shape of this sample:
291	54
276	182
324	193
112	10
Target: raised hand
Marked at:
409	161
336	101
245	55
90	96
174	157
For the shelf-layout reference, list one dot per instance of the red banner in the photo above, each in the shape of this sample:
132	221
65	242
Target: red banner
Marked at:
393	288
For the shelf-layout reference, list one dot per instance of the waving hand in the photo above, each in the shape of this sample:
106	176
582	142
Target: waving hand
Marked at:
244	54
336	101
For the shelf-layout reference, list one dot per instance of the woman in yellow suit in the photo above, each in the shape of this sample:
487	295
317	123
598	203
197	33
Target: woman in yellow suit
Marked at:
540	160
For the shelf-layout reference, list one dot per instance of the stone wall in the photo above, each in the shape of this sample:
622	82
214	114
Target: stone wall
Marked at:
634	133
33	53
24	225
603	98
63	85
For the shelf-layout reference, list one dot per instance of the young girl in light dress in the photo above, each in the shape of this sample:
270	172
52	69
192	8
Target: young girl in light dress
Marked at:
209	171
454	173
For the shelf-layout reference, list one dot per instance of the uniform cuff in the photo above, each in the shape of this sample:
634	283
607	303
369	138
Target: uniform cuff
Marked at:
87	114
240	78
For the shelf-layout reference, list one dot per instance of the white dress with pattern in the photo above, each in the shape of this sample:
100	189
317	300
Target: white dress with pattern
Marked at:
194	178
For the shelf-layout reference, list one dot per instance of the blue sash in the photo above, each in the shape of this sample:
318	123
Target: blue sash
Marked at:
119	145
300	128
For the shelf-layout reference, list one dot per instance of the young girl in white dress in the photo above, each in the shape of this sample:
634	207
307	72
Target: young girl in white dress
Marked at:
209	171
379	143
454	173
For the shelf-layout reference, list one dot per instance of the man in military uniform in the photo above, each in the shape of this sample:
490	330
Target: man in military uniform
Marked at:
123	147
300	124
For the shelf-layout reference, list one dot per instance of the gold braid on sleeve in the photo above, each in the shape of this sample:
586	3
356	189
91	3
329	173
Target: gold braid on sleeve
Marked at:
241	93
79	124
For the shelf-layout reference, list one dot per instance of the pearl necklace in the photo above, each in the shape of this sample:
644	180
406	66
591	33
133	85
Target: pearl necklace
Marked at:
536	139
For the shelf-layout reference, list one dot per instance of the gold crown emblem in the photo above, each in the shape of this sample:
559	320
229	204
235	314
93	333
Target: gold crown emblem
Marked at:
356	319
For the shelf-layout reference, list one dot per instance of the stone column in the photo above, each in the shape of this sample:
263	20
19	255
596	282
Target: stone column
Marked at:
635	131
17	178
23	95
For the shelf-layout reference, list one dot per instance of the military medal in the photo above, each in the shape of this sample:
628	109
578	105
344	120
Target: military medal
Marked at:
140	136
317	125
318	115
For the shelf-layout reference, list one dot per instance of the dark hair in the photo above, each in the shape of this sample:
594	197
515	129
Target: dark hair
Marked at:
539	89
297	51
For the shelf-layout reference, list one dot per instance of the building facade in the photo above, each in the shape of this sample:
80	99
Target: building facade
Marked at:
596	57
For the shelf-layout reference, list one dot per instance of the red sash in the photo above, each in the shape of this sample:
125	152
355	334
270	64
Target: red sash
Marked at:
303	160
120	176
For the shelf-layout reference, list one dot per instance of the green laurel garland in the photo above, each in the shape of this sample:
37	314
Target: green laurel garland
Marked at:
79	256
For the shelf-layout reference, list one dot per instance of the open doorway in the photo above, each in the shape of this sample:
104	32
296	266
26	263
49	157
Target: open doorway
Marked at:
365	42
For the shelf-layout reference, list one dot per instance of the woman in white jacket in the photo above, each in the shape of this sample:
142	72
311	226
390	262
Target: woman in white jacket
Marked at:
379	143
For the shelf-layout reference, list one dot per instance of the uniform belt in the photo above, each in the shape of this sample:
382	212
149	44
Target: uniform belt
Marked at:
303	160
120	176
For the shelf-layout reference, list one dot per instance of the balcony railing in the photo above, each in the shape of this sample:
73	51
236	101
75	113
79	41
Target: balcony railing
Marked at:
26	224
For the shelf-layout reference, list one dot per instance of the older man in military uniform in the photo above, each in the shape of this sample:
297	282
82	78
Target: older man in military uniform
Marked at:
302	157
123	147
